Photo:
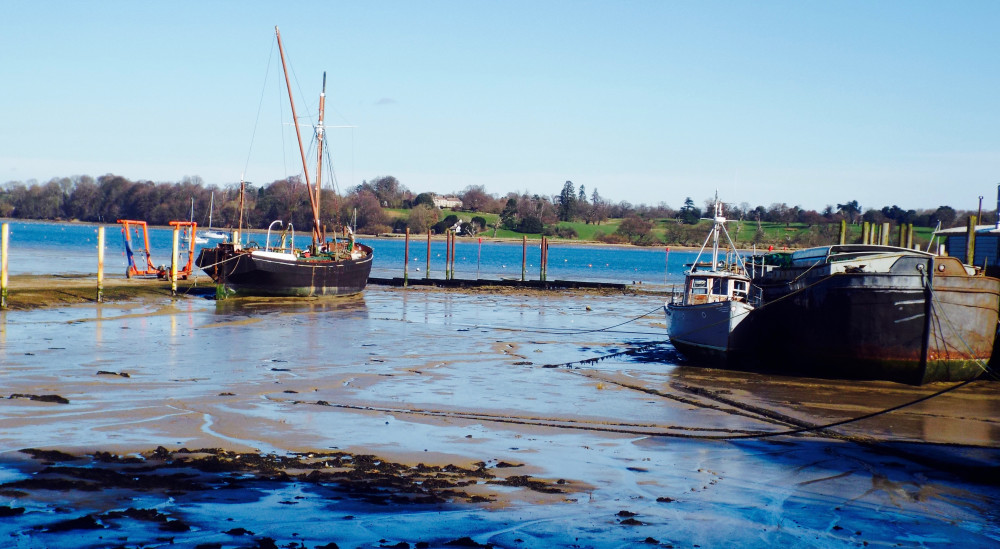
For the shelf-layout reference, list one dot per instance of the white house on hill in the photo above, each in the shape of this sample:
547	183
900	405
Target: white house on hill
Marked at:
447	202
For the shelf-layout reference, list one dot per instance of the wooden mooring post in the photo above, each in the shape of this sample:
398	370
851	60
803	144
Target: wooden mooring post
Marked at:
970	241
524	257
4	246
100	264
406	259
843	231
427	273
884	235
909	236
866	233
453	237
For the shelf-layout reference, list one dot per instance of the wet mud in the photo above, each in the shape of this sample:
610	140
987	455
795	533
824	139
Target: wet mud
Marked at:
428	418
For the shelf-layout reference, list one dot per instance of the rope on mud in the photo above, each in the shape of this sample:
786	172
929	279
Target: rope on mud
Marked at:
573	331
631	428
801	430
555	423
762	412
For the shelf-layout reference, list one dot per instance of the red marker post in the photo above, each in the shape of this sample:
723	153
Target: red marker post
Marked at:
666	265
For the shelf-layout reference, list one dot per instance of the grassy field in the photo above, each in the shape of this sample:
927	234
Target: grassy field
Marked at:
669	232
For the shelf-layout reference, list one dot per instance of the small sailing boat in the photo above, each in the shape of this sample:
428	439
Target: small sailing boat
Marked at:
326	267
703	324
194	237
210	233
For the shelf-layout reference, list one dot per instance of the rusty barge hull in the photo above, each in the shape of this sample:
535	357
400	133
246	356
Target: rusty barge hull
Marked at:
889	326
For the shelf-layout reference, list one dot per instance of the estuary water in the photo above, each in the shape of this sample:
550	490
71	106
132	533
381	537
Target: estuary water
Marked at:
71	248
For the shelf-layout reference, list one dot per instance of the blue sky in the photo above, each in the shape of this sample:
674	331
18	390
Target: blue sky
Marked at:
807	103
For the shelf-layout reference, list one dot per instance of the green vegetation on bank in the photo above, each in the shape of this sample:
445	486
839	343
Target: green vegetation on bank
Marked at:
383	205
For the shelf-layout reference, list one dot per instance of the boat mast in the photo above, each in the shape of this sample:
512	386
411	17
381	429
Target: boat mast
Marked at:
719	223
239	225
319	155
211	208
302	150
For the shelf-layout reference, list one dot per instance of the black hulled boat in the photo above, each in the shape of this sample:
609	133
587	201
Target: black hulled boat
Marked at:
326	267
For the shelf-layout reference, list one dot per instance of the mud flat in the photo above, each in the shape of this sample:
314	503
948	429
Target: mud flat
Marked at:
430	418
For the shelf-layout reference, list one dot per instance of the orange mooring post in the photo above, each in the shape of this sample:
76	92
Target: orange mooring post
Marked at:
406	258
427	274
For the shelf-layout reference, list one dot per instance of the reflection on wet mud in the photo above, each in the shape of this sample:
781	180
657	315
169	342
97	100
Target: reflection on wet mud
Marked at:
255	306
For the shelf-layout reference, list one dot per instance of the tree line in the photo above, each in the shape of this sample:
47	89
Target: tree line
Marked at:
111	197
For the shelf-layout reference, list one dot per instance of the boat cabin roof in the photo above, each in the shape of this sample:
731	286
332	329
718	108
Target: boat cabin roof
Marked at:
839	252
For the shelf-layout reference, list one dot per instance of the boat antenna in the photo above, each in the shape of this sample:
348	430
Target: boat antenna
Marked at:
298	134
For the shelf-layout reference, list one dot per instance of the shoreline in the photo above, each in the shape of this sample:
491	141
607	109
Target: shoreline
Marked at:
390	236
34	291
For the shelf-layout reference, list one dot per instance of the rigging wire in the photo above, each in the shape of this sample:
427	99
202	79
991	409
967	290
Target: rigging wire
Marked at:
260	104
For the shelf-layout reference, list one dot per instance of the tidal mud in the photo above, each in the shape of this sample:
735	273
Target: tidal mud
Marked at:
425	418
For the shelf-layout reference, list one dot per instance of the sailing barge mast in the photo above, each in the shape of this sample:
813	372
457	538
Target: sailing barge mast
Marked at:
314	195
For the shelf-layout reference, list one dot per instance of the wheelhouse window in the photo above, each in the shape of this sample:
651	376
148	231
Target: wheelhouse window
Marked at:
699	286
719	286
740	289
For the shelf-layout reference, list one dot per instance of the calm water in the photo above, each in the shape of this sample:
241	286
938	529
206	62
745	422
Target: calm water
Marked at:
69	248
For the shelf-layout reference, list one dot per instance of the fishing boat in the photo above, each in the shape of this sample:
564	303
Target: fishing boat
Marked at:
873	312
211	233
703	324
326	267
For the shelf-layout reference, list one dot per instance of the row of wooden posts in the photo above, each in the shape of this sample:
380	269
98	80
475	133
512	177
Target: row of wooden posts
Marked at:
449	262
5	246
873	233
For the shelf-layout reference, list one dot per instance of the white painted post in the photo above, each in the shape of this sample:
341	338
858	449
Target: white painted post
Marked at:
4	245
173	261
100	264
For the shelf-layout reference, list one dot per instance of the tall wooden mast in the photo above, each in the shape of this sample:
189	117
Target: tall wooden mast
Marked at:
319	155
313	202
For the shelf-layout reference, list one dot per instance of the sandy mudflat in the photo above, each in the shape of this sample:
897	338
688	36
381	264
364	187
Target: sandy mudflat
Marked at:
423	418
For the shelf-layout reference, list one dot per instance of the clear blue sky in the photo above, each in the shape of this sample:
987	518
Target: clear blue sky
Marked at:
807	103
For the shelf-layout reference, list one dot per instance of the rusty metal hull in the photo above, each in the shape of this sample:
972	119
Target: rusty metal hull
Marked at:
877	326
244	273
